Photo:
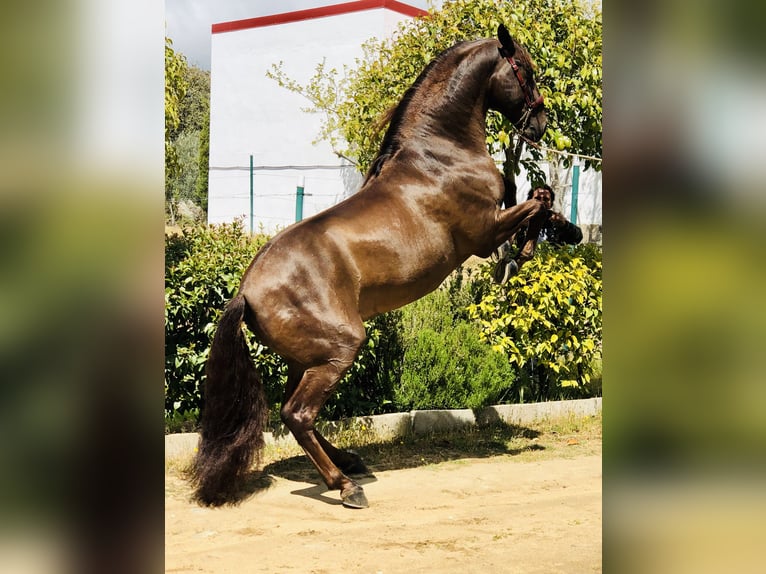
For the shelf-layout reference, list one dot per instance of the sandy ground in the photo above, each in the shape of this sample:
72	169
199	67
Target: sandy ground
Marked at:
495	514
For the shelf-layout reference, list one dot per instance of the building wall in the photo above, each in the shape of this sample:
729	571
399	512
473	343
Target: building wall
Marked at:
252	114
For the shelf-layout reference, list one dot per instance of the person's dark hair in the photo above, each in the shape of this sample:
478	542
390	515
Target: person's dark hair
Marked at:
542	186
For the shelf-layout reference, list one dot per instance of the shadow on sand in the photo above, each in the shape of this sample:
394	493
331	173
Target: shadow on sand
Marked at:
493	438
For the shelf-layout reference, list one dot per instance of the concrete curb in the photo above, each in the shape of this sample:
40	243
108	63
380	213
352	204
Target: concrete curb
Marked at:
397	425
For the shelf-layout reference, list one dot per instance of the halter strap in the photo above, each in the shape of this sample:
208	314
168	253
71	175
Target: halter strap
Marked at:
531	104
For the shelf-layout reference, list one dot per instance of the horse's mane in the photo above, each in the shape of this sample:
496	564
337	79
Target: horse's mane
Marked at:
394	116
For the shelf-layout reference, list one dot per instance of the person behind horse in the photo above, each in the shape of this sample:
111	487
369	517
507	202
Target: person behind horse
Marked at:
556	229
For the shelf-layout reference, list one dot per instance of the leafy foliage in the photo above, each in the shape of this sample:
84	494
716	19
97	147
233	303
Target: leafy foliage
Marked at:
175	89
194	107
203	161
182	185
445	364
203	267
547	320
187	132
467	344
563	37
452	369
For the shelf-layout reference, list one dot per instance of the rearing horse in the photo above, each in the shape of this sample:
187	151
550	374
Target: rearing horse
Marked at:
431	199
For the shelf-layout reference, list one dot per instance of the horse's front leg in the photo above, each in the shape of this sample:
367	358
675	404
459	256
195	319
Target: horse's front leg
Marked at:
509	221
535	224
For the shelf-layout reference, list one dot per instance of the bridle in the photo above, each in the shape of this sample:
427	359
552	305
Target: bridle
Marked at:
532	103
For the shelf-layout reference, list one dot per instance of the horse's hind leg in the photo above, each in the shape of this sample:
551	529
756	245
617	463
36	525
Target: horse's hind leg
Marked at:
300	410
348	462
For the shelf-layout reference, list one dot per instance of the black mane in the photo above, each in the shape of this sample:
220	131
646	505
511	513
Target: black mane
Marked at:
391	140
396	115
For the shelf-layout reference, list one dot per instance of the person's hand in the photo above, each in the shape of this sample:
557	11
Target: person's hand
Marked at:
557	219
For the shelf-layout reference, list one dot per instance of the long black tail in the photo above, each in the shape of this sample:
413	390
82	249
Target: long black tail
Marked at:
233	415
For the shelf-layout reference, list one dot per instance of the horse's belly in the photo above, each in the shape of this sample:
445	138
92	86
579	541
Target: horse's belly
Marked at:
376	299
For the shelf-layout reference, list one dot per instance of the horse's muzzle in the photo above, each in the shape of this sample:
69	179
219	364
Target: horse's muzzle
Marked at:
535	128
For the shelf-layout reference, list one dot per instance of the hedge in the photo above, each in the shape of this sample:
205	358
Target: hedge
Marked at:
203	266
547	320
468	344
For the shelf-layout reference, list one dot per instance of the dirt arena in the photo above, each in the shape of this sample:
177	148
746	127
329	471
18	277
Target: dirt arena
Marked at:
531	509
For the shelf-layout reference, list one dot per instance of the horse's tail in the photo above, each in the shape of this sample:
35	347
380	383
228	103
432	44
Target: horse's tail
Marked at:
233	414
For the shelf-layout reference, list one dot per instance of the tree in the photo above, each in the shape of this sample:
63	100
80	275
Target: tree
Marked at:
203	163
194	107
187	132
182	186
195	124
175	89
563	37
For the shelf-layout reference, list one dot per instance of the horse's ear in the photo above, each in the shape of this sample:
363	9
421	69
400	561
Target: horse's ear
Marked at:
508	47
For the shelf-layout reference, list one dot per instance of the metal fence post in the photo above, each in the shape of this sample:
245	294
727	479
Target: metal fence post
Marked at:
575	190
299	199
251	194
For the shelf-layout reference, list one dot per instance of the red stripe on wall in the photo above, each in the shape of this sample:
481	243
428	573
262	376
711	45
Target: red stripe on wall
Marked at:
321	12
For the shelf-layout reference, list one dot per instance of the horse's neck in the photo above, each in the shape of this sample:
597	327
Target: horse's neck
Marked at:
452	106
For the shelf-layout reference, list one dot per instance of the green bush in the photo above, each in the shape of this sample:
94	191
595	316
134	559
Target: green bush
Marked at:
452	368
446	306
203	267
468	344
547	320
445	364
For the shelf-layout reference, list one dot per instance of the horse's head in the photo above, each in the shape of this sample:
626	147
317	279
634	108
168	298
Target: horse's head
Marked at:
513	91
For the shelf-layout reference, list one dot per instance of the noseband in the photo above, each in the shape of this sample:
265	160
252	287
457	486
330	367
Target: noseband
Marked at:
531	103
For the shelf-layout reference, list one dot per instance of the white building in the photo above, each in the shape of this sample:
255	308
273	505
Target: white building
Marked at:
250	114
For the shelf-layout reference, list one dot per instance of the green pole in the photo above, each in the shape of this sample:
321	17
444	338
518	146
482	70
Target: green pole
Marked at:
575	186
251	194
299	200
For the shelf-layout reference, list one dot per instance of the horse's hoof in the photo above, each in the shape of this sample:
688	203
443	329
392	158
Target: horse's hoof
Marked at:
354	498
504	270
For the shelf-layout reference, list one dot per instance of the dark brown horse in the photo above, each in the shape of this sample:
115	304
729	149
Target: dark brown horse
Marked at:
431	199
